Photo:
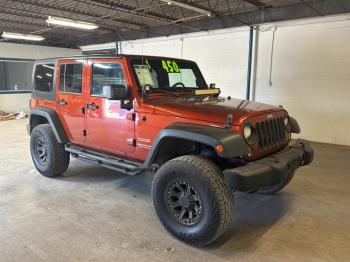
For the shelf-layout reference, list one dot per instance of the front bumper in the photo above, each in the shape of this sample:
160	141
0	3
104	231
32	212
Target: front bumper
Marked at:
270	170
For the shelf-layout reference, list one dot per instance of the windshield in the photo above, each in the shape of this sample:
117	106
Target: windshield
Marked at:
169	74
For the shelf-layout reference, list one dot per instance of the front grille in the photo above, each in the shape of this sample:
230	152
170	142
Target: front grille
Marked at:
271	133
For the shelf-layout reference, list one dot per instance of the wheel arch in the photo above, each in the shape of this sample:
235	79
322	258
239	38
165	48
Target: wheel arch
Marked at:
181	138
294	125
43	115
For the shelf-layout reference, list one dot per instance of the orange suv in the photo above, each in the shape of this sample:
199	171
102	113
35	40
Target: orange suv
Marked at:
141	113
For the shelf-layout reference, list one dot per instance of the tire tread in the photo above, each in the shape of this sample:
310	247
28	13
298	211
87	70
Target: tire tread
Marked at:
60	158
224	195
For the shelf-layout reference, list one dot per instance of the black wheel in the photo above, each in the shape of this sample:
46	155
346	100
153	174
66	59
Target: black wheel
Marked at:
49	156
269	190
192	200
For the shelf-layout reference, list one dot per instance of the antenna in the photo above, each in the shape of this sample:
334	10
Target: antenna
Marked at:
142	87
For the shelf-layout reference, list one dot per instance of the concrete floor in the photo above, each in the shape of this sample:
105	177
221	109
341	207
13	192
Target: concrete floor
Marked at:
94	214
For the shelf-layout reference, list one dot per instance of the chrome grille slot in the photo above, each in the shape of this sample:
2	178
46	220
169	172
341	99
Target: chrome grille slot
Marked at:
271	133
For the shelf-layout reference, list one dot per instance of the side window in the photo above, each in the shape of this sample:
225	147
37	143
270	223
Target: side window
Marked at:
71	78
43	77
105	75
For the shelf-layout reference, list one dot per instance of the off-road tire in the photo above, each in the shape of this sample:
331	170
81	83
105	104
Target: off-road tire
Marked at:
57	160
216	199
269	190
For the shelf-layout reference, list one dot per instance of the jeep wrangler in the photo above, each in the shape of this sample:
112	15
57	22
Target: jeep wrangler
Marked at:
141	113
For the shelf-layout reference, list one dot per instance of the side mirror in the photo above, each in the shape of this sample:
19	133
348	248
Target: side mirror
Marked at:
117	92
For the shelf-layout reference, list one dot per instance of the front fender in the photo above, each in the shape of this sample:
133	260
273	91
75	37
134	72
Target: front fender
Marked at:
294	125
234	144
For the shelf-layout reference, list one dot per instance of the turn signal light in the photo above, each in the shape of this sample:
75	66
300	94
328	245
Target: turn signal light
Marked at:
219	148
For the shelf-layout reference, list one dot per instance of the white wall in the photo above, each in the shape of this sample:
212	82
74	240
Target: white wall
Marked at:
310	76
221	55
310	69
21	51
15	102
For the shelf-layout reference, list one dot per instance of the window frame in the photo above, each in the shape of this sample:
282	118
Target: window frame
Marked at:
14	60
92	74
59	78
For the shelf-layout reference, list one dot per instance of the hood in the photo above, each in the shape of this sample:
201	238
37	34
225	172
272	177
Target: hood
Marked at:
210	109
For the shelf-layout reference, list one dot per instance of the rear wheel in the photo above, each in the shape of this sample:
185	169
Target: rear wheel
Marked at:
49	156
269	190
192	200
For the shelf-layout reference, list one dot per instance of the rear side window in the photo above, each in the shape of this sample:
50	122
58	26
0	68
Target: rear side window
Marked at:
43	77
71	78
105	75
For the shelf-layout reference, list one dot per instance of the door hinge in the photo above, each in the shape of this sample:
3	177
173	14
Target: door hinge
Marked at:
84	132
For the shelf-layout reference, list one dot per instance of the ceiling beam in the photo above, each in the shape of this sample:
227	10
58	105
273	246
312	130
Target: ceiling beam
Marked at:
309	5
94	16
42	18
187	6
130	11
256	3
145	15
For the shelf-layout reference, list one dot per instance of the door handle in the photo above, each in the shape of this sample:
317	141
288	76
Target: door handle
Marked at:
92	106
62	102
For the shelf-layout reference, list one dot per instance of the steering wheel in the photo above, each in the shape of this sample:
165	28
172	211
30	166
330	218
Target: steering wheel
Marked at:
178	84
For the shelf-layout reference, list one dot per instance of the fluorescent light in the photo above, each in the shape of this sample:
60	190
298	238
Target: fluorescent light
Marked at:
187	6
8	35
99	47
51	67
40	77
49	75
70	23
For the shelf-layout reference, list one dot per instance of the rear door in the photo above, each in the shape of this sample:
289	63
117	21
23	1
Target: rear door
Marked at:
71	98
109	127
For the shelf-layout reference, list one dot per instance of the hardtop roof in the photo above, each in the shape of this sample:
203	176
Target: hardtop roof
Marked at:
91	56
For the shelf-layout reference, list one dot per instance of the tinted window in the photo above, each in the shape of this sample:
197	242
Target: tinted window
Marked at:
71	78
105	75
43	77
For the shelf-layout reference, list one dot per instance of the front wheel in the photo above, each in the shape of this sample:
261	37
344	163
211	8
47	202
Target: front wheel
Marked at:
49	156
192	200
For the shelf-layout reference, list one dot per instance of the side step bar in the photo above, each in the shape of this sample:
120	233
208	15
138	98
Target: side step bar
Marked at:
124	166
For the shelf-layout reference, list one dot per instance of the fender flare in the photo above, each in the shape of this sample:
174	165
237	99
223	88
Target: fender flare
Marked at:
234	144
294	125
53	120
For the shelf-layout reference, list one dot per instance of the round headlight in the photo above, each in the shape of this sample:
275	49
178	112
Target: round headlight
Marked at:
247	132
286	121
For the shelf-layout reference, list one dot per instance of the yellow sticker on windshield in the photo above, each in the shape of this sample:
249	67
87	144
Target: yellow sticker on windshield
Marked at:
170	66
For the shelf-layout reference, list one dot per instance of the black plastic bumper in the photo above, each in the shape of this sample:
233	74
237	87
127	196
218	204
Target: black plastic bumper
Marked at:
270	170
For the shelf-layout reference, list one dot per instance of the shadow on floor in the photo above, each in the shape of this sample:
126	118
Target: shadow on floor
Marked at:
79	172
254	213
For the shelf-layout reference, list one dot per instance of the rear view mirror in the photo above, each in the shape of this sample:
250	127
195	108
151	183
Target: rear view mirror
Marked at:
117	92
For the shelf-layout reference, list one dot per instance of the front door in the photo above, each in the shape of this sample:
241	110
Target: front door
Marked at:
109	127
71	98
